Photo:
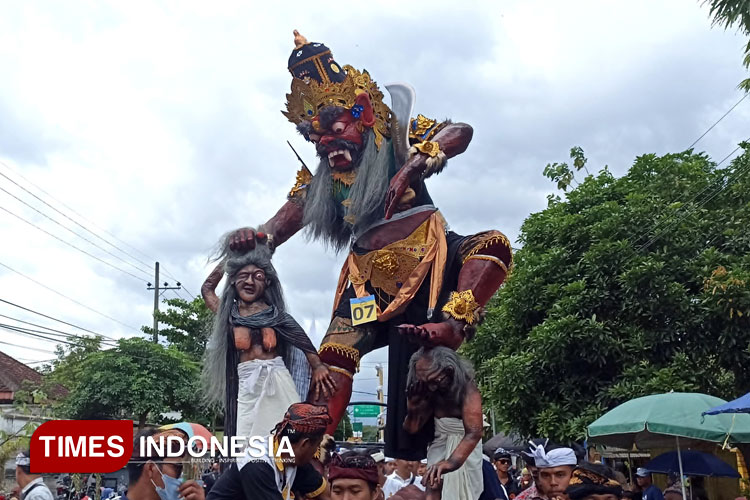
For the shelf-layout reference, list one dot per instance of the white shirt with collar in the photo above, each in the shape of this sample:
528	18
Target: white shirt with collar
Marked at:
394	482
32	492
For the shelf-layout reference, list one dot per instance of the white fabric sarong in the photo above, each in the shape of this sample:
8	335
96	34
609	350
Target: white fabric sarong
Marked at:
465	483
266	390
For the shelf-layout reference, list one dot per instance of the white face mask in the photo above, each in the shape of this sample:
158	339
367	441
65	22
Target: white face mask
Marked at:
171	490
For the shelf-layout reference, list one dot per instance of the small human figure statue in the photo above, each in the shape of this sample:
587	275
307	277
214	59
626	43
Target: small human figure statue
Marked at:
258	360
441	385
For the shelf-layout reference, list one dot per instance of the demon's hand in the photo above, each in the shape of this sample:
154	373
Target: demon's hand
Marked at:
243	240
404	184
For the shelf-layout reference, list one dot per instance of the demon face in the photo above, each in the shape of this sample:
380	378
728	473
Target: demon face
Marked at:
339	133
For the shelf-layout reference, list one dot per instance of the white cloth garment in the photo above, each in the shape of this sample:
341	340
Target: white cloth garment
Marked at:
266	390
394	482
466	482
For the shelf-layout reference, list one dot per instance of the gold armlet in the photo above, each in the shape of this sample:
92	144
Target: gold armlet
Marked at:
462	306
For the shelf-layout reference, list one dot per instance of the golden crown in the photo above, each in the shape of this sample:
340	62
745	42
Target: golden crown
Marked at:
308	96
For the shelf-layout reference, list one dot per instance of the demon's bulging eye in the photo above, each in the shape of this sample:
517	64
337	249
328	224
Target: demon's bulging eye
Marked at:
338	127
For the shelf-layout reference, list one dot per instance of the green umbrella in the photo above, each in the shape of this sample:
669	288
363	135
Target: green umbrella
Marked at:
663	420
653	422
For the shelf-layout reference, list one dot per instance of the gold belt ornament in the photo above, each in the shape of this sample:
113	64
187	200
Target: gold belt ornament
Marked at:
400	268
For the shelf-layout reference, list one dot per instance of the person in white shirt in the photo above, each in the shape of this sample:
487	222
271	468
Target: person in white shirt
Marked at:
32	486
400	478
421	468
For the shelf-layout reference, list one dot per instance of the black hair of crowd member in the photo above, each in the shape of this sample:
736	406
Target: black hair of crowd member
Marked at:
137	461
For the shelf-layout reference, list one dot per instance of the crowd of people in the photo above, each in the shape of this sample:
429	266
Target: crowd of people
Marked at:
314	469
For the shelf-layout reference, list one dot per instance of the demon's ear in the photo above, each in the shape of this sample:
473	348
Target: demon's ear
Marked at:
367	116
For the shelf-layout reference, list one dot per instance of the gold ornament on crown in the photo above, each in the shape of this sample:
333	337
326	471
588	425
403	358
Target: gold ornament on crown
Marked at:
308	96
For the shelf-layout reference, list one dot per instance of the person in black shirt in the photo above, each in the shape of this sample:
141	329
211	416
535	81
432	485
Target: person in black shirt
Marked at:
502	466
273	477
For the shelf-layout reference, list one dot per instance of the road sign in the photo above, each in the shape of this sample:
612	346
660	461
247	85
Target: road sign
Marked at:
357	426
366	410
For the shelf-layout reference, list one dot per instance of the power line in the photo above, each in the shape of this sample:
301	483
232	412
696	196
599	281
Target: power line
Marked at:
67	216
66	297
78	214
60	332
25	331
72	245
744	95
705	200
51	317
87	220
73	232
667	221
27	347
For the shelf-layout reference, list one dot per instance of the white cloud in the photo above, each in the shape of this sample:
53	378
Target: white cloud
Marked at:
160	122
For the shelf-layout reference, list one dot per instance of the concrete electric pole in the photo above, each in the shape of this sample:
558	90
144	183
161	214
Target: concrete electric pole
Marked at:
156	288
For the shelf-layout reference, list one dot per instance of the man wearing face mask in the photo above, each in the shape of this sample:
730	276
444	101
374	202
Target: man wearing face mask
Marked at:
152	477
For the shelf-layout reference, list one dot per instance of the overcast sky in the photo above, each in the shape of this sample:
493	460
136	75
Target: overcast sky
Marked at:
160	123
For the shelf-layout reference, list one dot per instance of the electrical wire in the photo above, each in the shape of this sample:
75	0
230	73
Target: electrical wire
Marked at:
52	329
72	245
68	298
52	318
76	234
166	272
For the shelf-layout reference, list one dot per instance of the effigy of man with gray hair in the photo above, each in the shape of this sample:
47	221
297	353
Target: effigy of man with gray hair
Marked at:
259	360
441	386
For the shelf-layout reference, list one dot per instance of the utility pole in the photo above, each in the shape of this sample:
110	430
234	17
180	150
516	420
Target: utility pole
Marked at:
381	398
156	288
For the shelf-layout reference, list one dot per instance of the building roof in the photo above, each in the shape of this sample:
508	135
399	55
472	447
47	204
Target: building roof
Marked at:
13	373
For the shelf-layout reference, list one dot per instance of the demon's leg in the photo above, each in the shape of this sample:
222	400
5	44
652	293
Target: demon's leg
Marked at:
341	349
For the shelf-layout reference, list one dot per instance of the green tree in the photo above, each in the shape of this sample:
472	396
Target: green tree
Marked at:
344	429
728	13
188	325
627	287
138	379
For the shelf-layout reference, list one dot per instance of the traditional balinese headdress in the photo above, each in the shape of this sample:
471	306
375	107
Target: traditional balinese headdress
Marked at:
353	466
591	479
319	81
305	418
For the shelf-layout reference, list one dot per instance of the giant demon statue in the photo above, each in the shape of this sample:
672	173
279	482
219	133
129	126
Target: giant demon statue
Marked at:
368	196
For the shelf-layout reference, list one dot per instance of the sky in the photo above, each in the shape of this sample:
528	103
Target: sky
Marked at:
157	127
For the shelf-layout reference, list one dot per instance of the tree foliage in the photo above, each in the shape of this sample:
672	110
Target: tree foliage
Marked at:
188	325
627	287
137	379
729	13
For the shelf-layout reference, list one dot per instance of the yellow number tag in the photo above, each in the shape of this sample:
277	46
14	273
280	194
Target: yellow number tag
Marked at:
364	310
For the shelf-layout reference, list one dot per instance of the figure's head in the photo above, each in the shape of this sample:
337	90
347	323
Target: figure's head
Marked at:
422	467
353	476
593	481
643	477
333	106
250	283
304	424
23	469
155	475
439	370
339	133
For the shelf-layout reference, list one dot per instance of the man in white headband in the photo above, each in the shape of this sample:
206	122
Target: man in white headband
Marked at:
555	469
32	486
